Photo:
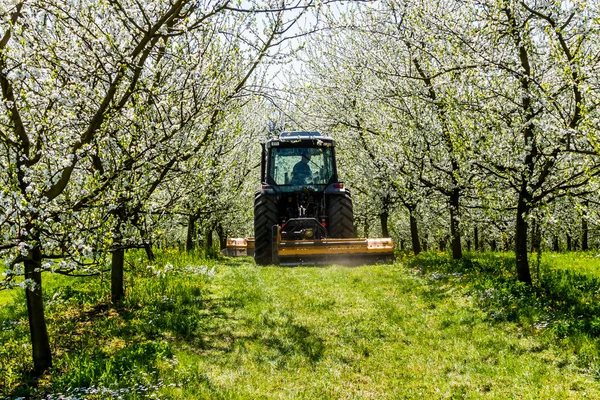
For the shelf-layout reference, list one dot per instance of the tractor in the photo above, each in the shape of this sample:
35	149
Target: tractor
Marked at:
303	212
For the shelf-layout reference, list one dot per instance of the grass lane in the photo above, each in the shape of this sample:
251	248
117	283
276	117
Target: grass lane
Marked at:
191	328
369	332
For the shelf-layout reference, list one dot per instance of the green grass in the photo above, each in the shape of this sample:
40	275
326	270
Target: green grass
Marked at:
425	327
586	263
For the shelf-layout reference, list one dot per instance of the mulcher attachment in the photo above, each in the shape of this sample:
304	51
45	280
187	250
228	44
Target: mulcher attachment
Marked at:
354	251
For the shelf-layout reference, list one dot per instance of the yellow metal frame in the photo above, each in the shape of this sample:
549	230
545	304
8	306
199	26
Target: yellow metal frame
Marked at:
335	247
376	248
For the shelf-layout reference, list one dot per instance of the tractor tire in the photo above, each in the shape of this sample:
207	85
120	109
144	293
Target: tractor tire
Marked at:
340	216
265	216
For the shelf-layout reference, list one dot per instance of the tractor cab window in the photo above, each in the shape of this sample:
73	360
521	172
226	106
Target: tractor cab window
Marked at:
301	165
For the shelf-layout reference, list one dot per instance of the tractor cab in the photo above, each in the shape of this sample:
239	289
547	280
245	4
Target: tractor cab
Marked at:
297	160
299	174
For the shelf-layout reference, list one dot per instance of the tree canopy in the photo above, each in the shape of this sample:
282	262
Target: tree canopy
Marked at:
135	124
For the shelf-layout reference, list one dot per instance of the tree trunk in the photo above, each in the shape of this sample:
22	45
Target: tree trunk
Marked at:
40	342
442	244
149	252
476	238
222	236
584	228
191	232
555	243
455	224
383	217
524	202
117	291
533	229
469	245
534	245
366	227
522	262
209	238
493	245
569	243
414	232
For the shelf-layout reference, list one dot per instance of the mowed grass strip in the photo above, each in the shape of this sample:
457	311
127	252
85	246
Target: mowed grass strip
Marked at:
195	328
370	332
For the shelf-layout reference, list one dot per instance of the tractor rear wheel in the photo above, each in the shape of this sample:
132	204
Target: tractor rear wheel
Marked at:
341	216
265	216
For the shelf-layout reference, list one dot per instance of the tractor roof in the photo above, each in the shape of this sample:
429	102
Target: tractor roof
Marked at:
301	137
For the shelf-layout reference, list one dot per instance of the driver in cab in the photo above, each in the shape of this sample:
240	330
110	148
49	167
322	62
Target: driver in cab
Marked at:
302	174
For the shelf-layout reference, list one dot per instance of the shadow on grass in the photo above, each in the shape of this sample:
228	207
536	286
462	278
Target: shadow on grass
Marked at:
560	300
100	345
130	345
284	337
